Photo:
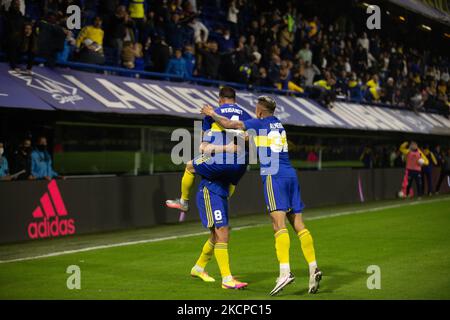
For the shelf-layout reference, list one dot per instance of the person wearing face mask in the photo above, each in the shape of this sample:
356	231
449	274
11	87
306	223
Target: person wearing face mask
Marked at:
22	160
4	168
41	162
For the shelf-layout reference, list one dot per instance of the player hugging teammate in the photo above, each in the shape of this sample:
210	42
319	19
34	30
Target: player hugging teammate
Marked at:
281	187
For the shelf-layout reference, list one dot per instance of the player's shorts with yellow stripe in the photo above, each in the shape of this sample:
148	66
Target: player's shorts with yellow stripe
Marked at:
213	208
282	193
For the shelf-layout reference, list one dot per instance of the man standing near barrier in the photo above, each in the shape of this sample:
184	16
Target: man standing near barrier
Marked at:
415	159
444	160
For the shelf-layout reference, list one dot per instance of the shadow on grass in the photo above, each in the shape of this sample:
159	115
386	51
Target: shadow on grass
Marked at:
334	277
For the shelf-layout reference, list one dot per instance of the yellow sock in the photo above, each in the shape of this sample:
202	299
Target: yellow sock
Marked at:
186	184
221	254
205	256
282	244
306	241
231	190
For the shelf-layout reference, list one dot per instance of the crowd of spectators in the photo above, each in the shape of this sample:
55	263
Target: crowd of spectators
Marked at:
259	44
27	162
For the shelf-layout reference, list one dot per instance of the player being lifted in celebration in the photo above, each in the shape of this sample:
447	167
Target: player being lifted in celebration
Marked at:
281	187
221	167
214	140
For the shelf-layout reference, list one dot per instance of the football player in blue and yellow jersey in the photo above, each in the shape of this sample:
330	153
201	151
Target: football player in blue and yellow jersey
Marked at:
281	187
217	149
220	166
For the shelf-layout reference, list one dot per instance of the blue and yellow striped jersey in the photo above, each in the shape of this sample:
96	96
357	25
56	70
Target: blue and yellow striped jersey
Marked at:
271	142
214	133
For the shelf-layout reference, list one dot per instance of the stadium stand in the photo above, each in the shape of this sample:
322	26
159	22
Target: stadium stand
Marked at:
266	45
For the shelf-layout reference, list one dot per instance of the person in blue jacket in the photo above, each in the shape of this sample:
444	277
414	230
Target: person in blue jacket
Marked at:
189	57
4	168
41	161
177	65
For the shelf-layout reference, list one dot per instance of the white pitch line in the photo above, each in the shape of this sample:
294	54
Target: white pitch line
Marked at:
129	243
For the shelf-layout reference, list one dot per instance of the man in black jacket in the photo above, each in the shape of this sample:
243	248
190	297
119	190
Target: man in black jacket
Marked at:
159	55
14	22
115	26
22	160
211	60
444	162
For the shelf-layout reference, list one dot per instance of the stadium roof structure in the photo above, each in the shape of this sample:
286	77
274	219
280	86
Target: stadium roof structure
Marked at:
438	10
71	90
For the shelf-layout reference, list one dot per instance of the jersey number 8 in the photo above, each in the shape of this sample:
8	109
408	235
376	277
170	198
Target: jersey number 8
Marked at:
218	215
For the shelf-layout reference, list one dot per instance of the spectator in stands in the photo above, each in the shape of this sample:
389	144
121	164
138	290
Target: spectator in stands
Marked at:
389	92
249	71
90	43
201	32
305	54
364	42
323	90
232	18
14	22
174	31
263	80
51	38
210	60
29	45
225	42
177	65
159	53
4	168
130	52
190	59
41	161
137	9
115	26
69	47
6	4
22	160
107	8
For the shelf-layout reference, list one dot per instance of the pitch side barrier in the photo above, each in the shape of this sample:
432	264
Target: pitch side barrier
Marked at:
32	210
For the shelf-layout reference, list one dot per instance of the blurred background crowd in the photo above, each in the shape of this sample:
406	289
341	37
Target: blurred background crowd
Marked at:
294	45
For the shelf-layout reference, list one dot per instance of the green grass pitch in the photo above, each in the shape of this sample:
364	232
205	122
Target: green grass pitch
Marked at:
409	241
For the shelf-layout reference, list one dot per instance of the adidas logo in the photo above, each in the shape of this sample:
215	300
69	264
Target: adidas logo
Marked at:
52	213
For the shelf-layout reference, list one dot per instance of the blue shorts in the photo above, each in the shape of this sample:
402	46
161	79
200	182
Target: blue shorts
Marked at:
213	209
282	194
208	169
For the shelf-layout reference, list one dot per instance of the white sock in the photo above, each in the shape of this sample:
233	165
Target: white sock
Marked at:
227	278
182	201
312	267
198	268
285	269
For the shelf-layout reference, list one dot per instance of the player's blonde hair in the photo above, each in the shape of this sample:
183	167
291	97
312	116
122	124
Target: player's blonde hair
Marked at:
268	103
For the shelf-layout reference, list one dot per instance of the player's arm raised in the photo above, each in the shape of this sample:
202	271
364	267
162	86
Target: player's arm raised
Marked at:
222	121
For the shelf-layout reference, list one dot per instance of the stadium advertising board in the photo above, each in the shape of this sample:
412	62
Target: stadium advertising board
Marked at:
71	90
33	210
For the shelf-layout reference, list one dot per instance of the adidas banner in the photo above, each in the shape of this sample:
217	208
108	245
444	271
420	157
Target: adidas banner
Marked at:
70	90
